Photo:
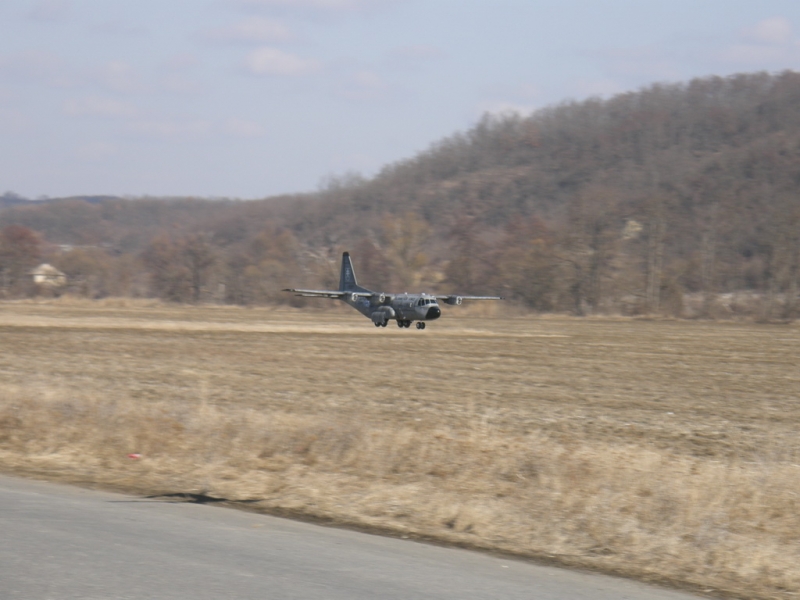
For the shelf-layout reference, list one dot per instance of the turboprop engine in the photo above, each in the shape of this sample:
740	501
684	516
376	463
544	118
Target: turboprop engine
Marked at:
381	316
454	300
378	298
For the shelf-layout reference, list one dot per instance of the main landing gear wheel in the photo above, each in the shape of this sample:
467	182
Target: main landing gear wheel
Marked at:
420	325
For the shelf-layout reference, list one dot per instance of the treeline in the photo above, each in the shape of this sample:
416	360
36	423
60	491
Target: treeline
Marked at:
679	199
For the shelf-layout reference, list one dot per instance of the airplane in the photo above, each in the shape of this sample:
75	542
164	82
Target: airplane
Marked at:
381	307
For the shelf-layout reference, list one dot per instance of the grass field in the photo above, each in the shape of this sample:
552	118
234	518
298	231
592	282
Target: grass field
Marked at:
665	450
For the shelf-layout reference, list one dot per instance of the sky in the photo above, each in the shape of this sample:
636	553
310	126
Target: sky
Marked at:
253	98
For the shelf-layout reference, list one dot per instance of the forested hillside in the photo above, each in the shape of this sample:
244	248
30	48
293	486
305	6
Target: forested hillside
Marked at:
678	199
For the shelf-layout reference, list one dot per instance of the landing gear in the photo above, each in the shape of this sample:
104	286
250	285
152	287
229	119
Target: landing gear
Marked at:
403	323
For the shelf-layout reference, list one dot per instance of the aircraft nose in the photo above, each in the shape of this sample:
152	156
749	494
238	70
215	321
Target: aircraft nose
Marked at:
434	312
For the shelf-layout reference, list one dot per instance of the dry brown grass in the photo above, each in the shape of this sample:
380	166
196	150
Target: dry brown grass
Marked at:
664	450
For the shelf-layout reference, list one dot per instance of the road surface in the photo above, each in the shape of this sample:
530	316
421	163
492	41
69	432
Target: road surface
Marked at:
60	542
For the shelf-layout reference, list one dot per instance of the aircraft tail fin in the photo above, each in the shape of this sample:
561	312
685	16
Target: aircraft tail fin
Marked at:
347	278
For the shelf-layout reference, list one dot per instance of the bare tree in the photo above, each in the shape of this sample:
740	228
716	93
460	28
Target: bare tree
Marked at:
198	257
170	278
20	251
526	264
782	239
405	240
467	269
708	255
588	244
655	229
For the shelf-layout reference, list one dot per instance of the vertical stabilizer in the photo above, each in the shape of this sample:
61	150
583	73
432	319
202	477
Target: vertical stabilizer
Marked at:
347	278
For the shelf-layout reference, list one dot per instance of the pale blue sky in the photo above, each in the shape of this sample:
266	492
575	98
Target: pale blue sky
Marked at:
249	98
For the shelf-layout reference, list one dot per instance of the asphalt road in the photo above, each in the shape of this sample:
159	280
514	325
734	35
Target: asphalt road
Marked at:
60	542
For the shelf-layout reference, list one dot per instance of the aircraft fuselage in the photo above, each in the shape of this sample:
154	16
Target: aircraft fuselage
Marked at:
399	307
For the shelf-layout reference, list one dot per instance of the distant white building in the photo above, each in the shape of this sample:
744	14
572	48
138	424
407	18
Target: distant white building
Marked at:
48	276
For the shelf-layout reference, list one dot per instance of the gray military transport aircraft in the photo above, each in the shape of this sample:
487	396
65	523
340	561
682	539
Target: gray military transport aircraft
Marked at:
381	307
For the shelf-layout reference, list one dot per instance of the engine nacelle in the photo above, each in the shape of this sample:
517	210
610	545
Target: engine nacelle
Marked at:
454	300
354	297
379	298
383	314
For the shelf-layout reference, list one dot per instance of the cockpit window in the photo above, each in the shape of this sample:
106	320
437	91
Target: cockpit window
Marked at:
421	302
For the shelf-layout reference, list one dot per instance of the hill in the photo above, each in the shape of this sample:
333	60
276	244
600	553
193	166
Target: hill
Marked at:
635	204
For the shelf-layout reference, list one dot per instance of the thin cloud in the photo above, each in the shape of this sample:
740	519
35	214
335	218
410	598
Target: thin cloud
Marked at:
756	55
314	6
118	76
364	85
413	56
193	129
119	27
178	74
242	128
770	43
176	83
13	121
95	151
50	10
181	62
654	62
251	30
767	44
170	128
776	30
417	52
271	61
503	108
323	4
351	165
98	106
31	65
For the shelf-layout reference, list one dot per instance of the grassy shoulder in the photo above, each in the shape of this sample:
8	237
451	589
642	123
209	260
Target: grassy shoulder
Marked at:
663	451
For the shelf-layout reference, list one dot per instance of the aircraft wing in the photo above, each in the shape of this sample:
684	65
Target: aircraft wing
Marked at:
326	293
456	299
